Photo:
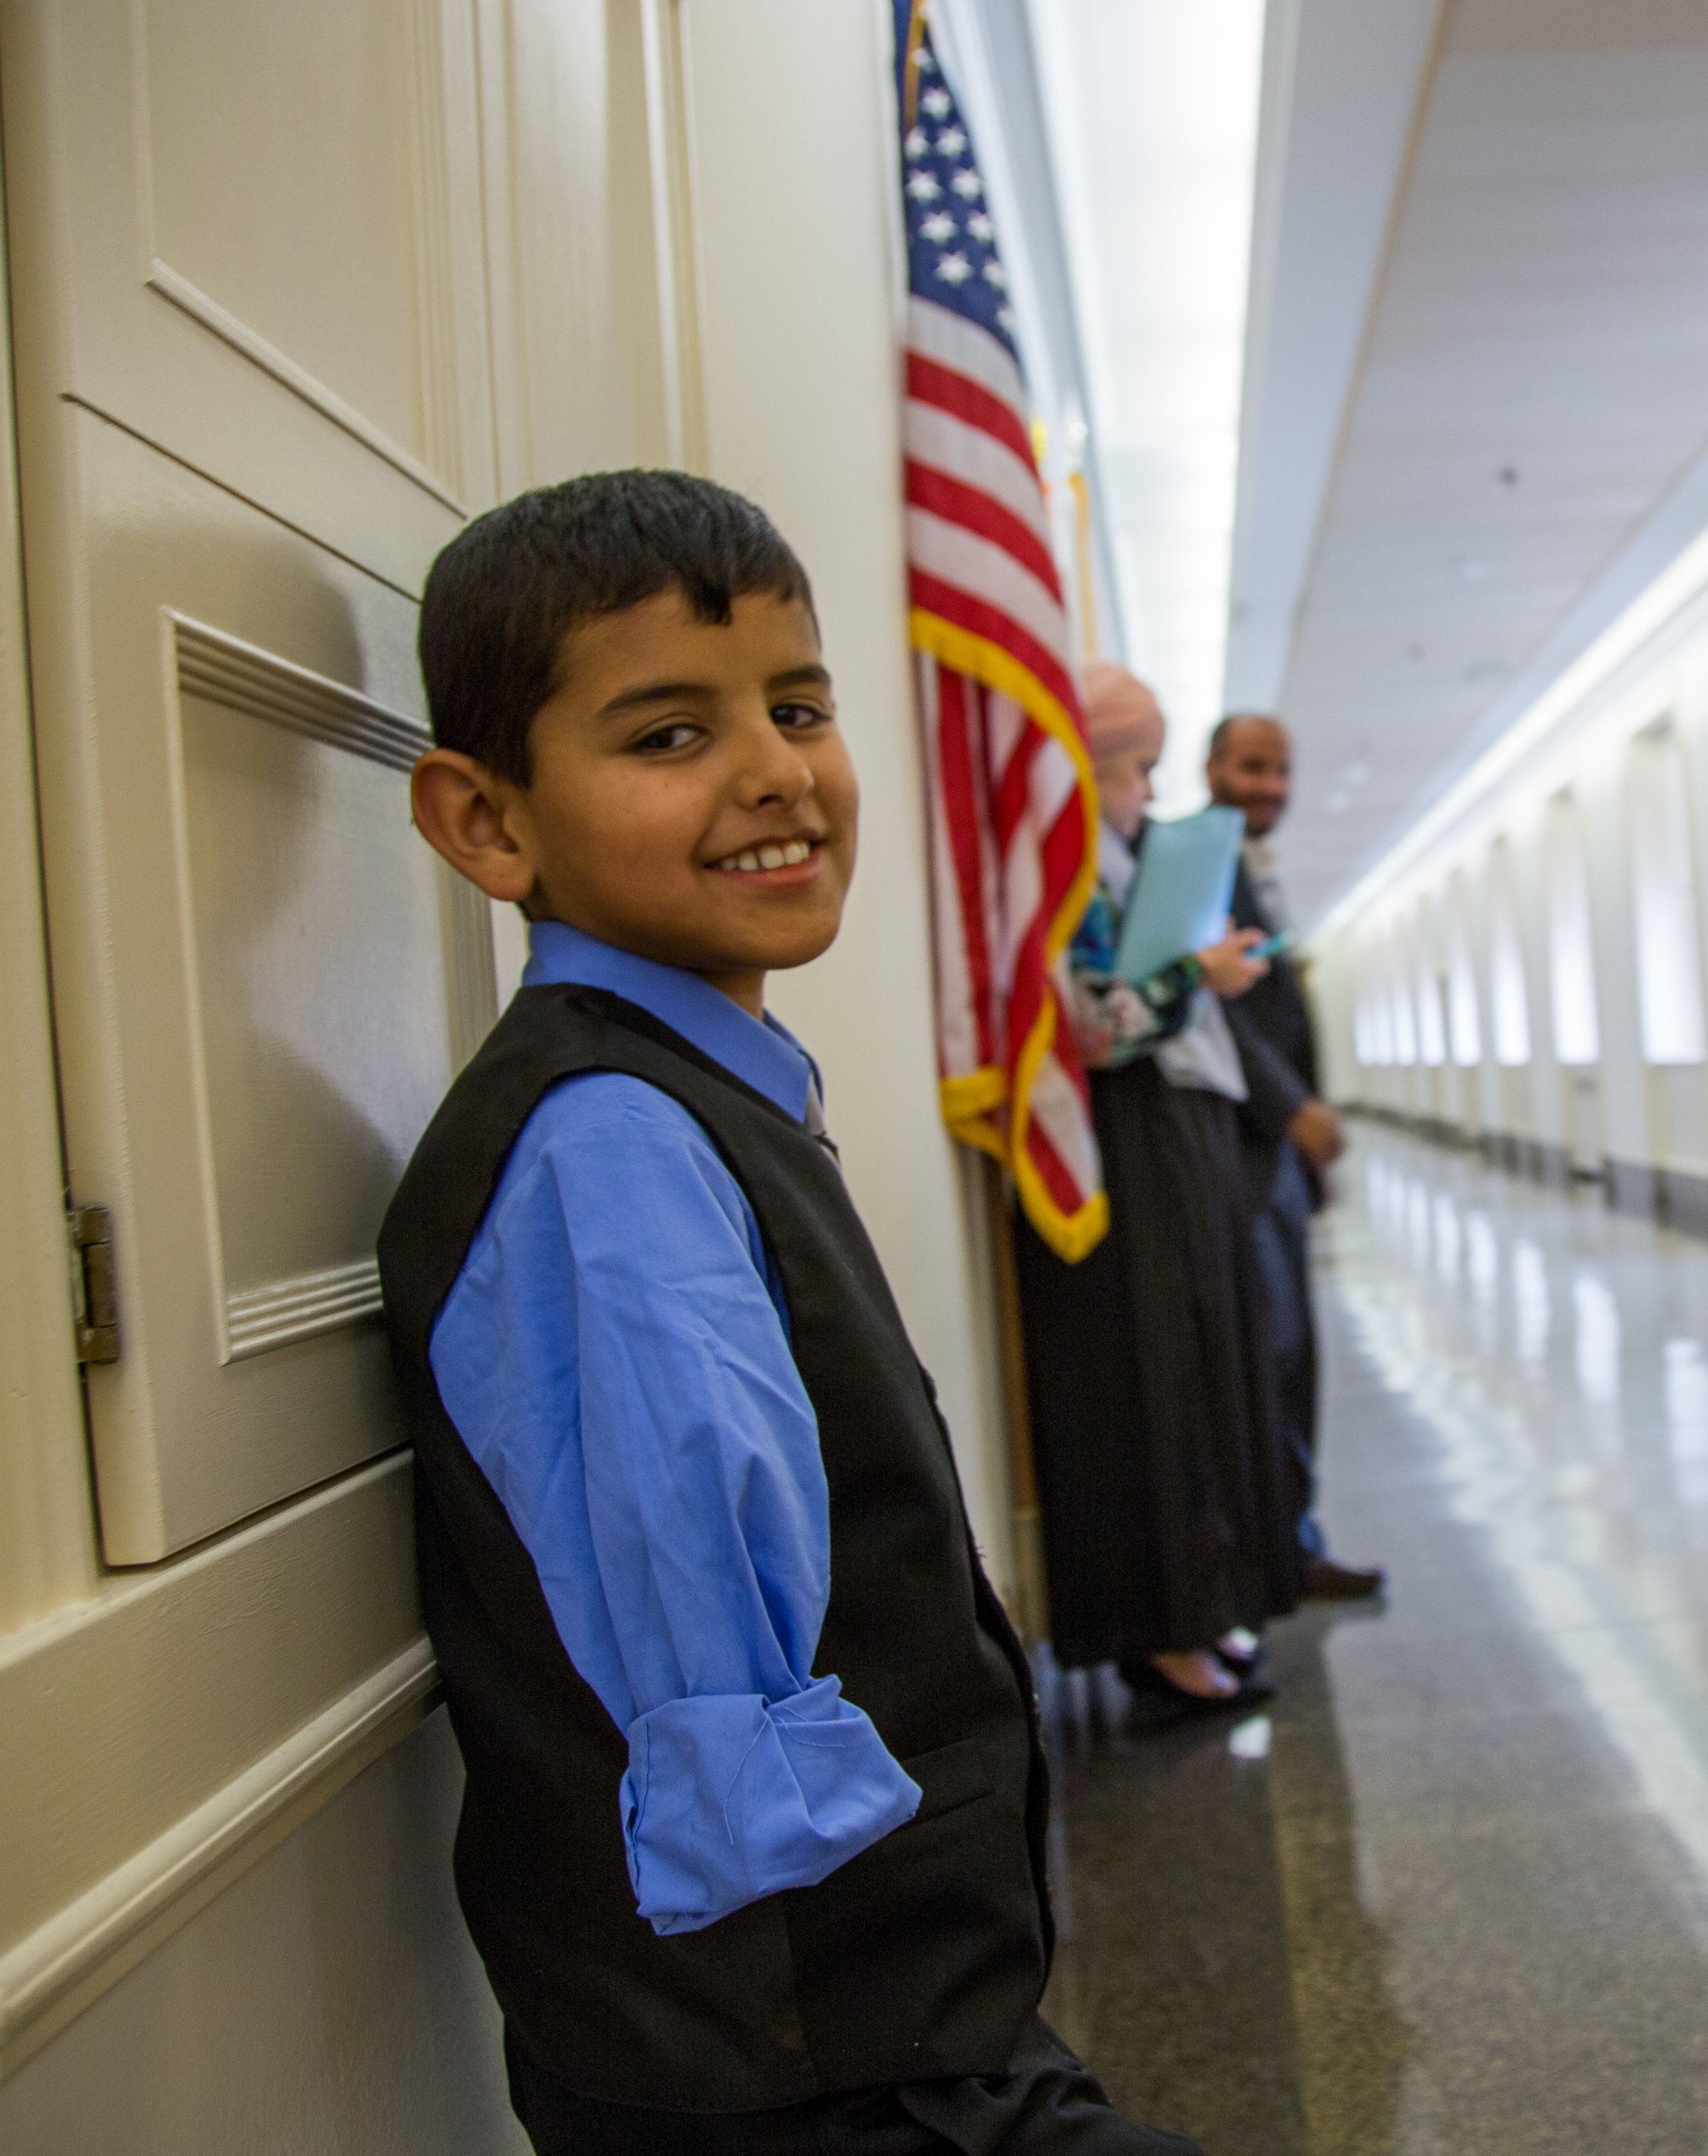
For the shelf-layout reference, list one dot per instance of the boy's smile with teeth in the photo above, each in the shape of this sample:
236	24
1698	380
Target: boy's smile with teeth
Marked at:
756	858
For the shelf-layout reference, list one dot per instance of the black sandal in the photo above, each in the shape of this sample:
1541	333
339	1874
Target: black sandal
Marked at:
1160	1703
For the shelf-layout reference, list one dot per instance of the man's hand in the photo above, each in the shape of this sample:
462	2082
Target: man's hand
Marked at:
1317	1131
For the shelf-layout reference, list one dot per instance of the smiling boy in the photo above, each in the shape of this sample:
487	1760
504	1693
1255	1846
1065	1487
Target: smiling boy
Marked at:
751	1840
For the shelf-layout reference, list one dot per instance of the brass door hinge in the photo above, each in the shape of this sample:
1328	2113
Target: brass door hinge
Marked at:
94	1291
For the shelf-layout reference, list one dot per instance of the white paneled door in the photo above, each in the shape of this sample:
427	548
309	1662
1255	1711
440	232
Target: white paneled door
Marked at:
250	298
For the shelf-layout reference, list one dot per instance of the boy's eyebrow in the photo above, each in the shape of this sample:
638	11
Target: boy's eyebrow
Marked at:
653	692
660	692
801	677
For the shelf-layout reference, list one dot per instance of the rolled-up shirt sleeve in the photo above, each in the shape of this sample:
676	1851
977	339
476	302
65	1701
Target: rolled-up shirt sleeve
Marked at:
615	1357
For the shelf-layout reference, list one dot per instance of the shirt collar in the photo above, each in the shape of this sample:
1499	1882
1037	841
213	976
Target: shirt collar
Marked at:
761	1053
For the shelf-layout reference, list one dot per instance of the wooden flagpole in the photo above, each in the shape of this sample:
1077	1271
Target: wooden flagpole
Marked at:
1031	1610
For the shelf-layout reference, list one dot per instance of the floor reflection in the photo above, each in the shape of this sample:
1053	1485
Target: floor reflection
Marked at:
1452	1895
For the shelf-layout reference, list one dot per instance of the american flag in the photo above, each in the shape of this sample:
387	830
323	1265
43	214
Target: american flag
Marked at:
1012	807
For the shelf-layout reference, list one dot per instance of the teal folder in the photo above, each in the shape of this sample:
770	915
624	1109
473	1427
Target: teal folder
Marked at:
1182	891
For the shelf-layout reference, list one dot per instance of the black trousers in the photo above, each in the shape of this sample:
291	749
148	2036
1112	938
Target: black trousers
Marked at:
1046	2105
1281	1230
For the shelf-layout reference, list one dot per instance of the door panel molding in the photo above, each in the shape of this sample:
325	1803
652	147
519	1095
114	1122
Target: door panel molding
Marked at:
221	668
163	279
301	1308
126	323
439	472
266	980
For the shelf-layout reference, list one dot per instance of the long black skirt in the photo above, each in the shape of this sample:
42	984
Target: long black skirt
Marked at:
1170	1503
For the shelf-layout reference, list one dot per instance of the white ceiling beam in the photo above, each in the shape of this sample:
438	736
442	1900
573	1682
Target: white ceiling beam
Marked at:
1344	84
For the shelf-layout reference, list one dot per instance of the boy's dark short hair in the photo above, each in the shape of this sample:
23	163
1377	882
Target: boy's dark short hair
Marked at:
502	597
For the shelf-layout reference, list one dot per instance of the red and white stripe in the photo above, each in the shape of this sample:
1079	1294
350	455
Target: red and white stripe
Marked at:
1012	807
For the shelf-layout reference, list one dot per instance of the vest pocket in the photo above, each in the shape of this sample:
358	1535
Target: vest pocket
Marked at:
952	1775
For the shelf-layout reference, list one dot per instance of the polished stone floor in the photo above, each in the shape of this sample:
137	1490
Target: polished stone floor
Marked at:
1450	1893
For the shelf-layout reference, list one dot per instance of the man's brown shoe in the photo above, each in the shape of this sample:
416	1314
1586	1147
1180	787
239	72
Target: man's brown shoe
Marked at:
1325	1581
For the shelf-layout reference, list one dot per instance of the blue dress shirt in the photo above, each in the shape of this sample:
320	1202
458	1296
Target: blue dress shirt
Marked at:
615	1355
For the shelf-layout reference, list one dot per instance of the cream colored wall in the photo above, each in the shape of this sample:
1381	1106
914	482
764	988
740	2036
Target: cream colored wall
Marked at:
792	206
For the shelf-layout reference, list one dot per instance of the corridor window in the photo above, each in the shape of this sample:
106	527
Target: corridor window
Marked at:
1508	993
1464	1025
1363	1026
1373	1020
1404	1010
1664	891
1431	1028
1375	996
1570	947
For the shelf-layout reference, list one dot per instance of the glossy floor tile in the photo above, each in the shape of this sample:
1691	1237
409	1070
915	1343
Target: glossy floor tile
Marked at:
1450	1894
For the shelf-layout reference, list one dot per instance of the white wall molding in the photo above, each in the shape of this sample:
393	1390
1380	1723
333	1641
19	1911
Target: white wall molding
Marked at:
59	1969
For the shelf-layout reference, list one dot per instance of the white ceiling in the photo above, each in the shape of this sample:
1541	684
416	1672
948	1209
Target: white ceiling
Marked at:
1342	82
1525	426
1151	113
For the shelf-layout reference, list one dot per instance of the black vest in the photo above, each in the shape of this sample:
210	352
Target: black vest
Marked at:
924	1955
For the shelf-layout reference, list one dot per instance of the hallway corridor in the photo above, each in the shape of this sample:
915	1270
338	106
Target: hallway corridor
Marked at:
1451	1896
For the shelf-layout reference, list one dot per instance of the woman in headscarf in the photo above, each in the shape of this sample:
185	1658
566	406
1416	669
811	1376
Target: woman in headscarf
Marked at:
1165	1485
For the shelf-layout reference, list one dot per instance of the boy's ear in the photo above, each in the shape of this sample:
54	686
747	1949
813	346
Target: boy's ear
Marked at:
460	809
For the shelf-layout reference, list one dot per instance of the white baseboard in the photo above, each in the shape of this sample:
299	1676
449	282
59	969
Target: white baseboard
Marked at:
50	1976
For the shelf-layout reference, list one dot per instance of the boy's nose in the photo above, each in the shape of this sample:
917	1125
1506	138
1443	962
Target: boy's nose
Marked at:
774	770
